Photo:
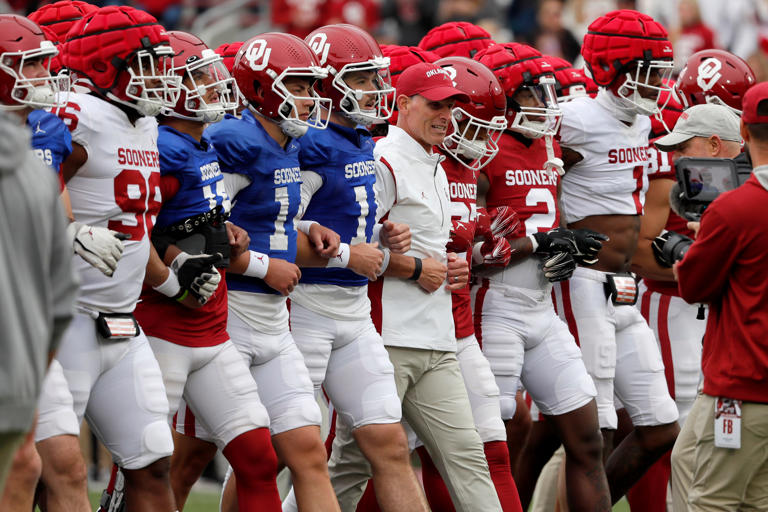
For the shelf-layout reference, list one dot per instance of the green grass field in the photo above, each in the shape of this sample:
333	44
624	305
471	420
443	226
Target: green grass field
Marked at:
209	502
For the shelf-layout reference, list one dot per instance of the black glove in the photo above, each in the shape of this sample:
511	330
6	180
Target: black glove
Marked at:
554	241
559	267
198	274
588	244
670	247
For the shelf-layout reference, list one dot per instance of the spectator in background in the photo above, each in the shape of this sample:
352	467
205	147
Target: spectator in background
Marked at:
550	36
694	34
735	23
405	22
300	17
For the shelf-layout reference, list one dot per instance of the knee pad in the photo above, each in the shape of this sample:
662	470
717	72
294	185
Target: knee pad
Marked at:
666	411
301	413
508	407
156	443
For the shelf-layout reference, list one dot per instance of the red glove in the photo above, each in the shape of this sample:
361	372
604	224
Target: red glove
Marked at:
483	224
504	222
462	237
492	253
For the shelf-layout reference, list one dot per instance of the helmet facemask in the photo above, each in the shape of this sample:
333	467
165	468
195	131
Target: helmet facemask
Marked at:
203	76
34	92
288	112
536	121
639	75
473	141
153	86
354	101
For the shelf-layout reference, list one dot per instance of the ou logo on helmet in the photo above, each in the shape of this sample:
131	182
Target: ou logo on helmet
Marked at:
320	46
709	73
257	54
451	74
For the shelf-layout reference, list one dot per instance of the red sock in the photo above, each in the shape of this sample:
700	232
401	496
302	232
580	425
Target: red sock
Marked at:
497	455
650	492
434	487
255	465
368	502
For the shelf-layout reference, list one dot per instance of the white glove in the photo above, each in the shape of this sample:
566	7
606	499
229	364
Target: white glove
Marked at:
100	247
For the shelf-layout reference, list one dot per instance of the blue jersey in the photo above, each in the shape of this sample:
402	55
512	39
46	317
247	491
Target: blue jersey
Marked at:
266	207
345	203
51	139
195	165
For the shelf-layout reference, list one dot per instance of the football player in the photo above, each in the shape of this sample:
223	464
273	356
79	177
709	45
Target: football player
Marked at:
456	39
196	357
113	180
605	143
330	309
520	332
258	154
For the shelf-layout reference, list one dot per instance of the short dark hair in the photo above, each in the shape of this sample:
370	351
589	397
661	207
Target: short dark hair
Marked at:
759	131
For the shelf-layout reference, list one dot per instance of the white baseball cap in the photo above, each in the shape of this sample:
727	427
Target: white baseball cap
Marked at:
702	120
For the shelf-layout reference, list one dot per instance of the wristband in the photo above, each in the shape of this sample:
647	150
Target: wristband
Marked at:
181	295
416	270
534	242
477	254
258	265
305	225
341	260
376	236
385	261
170	287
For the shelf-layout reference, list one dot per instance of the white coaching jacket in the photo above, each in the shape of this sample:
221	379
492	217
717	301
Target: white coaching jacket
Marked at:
411	188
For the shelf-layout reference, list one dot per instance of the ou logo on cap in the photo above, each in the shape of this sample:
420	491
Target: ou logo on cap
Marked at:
257	54
320	46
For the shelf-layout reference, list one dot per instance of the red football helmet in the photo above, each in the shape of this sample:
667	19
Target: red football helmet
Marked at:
202	73
570	83
123	54
477	125
22	46
345	49
714	76
60	16
228	51
56	19
261	66
456	38
633	46
525	75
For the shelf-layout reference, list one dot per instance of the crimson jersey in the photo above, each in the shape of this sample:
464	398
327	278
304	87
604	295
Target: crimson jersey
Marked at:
518	179
169	320
462	183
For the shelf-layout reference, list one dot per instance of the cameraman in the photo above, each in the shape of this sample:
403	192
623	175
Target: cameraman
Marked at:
705	130
721	459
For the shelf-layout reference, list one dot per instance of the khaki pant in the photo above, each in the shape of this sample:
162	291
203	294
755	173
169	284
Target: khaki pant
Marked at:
707	478
436	405
9	443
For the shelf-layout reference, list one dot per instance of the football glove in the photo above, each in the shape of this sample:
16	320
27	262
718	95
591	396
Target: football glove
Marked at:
504	221
555	241
559	267
102	248
198	274
462	236
493	253
670	247
588	244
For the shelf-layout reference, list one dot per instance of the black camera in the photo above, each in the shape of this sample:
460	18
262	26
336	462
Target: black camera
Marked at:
700	181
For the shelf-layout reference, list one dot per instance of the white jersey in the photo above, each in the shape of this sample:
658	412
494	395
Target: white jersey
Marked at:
117	188
412	188
611	179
